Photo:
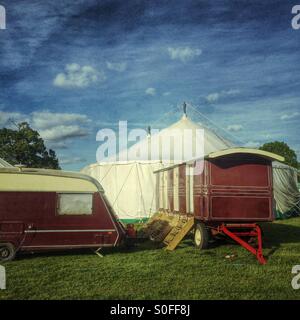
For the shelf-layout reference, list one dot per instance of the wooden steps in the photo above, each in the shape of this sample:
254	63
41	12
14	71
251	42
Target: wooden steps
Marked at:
159	226
167	228
176	235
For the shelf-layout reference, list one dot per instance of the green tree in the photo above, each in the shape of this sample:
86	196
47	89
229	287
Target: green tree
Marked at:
25	146
282	149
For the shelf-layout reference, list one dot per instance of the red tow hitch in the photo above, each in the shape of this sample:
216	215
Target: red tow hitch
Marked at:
236	231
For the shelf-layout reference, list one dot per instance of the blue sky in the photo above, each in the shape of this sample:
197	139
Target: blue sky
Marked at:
71	68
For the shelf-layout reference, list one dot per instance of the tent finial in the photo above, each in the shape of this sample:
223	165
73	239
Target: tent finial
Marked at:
149	131
184	110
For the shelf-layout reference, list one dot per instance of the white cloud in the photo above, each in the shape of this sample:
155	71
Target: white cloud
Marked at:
45	119
213	97
151	91
120	67
9	119
234	127
54	128
76	76
58	127
63	132
289	116
183	54
166	94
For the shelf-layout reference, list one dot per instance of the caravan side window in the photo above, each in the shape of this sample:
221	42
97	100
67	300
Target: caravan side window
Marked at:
75	203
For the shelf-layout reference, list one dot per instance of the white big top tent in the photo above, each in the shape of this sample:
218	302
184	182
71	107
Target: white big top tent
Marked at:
130	185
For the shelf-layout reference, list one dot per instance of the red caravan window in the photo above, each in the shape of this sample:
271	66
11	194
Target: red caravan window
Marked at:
75	203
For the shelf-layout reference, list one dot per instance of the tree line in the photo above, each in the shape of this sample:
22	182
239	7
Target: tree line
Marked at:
25	146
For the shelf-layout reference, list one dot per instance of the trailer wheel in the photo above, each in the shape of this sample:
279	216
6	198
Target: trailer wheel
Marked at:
201	236
7	252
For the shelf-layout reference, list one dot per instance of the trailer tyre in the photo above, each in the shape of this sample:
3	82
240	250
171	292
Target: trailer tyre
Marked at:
7	252
201	236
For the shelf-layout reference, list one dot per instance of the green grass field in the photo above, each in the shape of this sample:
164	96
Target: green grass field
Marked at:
148	272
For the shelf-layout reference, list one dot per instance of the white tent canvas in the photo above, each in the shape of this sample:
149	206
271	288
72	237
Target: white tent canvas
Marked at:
129	186
286	191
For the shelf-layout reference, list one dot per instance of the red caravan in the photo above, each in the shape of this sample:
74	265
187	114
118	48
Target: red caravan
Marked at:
231	194
49	209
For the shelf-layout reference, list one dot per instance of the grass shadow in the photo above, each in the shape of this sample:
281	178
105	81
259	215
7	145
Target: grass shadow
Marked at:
276	234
